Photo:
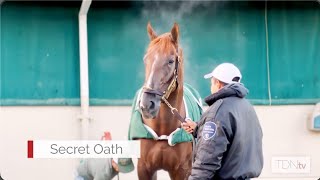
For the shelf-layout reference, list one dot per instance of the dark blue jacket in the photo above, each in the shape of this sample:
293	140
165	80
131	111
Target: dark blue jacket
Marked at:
229	138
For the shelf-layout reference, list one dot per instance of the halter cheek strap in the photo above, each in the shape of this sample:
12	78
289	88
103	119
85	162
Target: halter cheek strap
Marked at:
174	83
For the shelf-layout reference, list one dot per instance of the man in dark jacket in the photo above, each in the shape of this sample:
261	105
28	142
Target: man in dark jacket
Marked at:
229	136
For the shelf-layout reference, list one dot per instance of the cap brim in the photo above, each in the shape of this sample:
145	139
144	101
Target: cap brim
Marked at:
207	76
126	169
127	166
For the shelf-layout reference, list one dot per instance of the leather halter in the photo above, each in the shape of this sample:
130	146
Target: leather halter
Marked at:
172	87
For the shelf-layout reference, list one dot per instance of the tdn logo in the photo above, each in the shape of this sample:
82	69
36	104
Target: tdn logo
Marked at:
291	165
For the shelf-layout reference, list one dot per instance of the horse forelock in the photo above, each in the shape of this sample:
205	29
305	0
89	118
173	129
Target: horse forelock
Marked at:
162	45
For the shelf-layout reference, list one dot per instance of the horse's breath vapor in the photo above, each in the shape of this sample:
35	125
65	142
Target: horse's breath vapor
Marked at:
168	12
162	14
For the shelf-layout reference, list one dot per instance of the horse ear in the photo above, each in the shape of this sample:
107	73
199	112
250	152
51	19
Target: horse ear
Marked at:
175	32
152	34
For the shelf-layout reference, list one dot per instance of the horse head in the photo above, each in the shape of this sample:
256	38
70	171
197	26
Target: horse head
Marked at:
162	63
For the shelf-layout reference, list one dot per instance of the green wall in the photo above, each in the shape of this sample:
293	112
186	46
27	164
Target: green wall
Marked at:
40	61
39	54
294	48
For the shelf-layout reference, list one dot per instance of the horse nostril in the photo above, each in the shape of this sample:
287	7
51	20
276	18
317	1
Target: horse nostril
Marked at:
152	105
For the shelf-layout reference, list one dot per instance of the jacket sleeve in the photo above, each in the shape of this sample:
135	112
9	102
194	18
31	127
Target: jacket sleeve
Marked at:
210	150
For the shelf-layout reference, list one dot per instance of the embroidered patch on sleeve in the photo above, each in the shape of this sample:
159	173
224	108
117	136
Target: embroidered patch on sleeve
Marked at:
209	130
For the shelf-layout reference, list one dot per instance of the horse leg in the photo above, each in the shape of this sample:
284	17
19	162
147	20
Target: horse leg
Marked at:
182	173
179	175
144	173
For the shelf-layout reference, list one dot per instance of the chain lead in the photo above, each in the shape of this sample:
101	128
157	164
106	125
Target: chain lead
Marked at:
169	105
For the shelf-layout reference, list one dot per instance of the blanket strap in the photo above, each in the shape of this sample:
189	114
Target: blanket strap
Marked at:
162	137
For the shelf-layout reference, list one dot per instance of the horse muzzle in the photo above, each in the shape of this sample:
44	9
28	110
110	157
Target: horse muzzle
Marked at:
149	105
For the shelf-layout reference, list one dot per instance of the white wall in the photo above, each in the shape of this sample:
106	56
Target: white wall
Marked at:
284	127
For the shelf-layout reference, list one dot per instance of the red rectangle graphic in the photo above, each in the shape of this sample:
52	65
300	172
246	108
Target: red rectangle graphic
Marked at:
30	149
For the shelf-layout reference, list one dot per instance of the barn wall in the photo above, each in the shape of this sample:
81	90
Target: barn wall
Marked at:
275	46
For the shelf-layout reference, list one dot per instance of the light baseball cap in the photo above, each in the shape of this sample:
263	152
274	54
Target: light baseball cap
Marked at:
125	165
225	72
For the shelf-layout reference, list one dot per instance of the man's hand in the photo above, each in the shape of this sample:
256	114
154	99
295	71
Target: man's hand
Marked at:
189	126
115	165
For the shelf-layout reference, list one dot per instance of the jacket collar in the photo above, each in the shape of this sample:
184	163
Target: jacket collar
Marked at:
230	90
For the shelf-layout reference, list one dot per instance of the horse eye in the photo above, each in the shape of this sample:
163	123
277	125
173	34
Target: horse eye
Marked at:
171	61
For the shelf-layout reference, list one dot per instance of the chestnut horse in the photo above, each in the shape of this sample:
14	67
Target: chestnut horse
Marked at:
163	88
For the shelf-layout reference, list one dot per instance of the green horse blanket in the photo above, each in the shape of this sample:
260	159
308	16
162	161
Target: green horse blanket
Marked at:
138	130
